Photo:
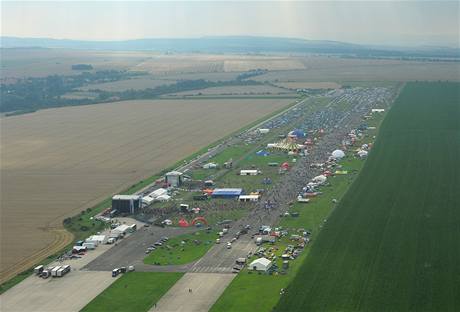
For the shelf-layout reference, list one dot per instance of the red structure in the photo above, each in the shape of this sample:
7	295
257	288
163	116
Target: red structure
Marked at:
197	219
183	223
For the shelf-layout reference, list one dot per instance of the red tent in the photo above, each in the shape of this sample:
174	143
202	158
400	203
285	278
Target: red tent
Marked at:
183	223
285	165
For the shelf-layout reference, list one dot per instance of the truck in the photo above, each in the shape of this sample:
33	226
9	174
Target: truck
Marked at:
39	269
46	273
115	272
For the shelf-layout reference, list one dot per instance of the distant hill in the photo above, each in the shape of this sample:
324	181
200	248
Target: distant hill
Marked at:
235	44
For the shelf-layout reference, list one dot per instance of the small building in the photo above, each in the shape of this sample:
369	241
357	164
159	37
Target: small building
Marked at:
261	264
174	178
251	172
249	198
227	192
124	229
126	203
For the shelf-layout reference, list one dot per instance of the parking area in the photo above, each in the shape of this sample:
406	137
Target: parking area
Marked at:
66	294
194	292
131	250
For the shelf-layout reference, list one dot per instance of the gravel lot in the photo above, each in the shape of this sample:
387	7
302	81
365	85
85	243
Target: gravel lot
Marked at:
69	293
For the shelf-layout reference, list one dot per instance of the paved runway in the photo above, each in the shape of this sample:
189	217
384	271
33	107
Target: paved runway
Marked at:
206	288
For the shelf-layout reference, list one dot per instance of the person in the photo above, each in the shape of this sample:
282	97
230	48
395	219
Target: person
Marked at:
189	290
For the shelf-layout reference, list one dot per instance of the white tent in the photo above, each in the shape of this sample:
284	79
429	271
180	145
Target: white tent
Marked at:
320	179
338	154
263	130
285	145
147	200
210	166
158	192
261	264
163	198
362	154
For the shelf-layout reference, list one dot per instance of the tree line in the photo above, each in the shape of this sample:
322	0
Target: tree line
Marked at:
31	94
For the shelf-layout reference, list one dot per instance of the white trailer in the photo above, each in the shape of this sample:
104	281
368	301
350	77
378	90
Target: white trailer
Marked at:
55	270
60	272
89	245
250	172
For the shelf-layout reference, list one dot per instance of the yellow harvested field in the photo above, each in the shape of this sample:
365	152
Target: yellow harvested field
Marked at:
57	162
43	62
309	85
365	70
269	63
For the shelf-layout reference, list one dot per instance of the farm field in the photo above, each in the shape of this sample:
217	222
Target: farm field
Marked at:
57	162
18	63
135	291
393	241
368	71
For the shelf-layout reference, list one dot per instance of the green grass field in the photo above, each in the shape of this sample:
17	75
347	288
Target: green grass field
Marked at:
393	243
182	249
133	292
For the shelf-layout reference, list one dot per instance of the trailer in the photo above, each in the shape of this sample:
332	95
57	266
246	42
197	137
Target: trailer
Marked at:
60	272
39	269
63	271
66	269
55	270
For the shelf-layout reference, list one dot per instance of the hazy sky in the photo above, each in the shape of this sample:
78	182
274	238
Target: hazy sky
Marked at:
374	22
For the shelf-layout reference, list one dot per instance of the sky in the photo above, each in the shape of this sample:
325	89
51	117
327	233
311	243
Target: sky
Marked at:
403	23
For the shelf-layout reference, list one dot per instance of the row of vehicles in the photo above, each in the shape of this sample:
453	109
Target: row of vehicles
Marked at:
117	271
158	243
57	271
